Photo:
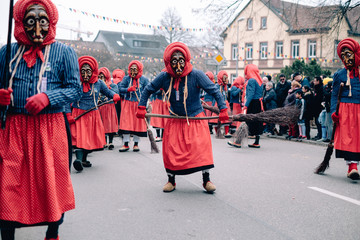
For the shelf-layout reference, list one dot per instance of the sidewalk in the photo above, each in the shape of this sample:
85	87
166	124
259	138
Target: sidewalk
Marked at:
313	133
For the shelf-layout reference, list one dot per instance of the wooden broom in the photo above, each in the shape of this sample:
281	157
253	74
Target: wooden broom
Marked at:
325	163
154	147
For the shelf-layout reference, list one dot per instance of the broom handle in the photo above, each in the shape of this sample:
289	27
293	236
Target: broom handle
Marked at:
180	117
147	124
337	113
91	109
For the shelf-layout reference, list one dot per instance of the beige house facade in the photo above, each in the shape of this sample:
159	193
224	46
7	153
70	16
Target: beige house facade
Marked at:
272	34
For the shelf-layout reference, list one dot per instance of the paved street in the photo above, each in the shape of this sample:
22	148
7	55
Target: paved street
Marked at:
268	193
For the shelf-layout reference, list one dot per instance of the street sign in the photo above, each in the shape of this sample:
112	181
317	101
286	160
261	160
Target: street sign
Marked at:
219	58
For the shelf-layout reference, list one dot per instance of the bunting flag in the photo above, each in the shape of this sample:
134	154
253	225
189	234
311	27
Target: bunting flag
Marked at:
143	25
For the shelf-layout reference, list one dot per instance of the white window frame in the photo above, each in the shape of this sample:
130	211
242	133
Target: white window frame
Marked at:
336	44
263	22
250	24
263	50
249	51
279	50
234	51
312	49
295	48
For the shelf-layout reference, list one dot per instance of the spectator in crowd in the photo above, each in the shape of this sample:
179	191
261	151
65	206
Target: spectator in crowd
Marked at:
290	100
299	78
300	102
281	90
328	121
270	102
316	106
308	113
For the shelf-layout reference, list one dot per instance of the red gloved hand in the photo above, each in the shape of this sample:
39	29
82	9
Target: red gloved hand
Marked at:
131	89
70	118
141	112
37	103
116	98
5	99
335	118
244	110
223	116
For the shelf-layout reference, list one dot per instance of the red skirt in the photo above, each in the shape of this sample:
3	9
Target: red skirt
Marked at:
35	183
129	123
109	118
159	107
88	131
347	134
187	148
236	110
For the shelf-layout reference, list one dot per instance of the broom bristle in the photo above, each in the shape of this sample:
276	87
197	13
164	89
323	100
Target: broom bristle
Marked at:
154	147
219	134
325	163
241	133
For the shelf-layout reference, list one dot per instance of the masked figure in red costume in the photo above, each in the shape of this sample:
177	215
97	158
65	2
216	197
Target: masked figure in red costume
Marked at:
131	87
35	184
347	133
118	76
186	143
88	131
108	111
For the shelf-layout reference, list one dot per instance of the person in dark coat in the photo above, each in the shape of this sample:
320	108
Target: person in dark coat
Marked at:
317	107
270	102
282	88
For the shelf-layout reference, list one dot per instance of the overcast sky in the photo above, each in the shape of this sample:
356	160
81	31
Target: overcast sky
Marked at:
133	11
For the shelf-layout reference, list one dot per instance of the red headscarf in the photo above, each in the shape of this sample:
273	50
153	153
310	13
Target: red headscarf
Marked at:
118	75
140	72
106	72
19	30
252	71
355	47
239	82
181	47
95	68
220	79
210	76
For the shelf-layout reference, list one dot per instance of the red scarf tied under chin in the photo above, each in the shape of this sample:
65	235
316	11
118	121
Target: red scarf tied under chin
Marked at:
140	66
239	82
95	71
252	71
170	49
210	75
35	51
118	75
355	47
220	79
106	72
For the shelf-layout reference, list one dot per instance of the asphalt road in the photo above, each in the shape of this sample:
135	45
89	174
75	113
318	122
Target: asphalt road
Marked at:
267	193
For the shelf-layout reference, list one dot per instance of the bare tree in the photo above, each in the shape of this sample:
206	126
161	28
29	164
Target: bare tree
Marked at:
174	30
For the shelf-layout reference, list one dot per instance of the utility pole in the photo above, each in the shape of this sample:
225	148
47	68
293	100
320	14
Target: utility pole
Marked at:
237	43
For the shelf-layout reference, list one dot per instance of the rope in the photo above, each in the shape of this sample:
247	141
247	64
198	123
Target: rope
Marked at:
43	66
18	57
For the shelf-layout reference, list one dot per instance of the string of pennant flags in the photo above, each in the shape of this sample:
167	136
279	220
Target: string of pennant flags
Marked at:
143	25
196	58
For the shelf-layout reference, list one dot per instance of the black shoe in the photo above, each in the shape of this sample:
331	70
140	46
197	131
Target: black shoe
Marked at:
78	165
86	164
111	147
326	140
233	144
254	145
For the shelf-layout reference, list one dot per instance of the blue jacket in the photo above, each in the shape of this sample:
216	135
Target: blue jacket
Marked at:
90	98
235	95
195	80
339	77
114	88
127	82
61	80
253	91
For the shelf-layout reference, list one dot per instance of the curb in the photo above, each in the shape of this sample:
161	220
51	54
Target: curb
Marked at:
324	144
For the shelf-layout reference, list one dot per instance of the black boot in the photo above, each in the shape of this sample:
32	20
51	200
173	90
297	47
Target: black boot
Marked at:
78	161
85	162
